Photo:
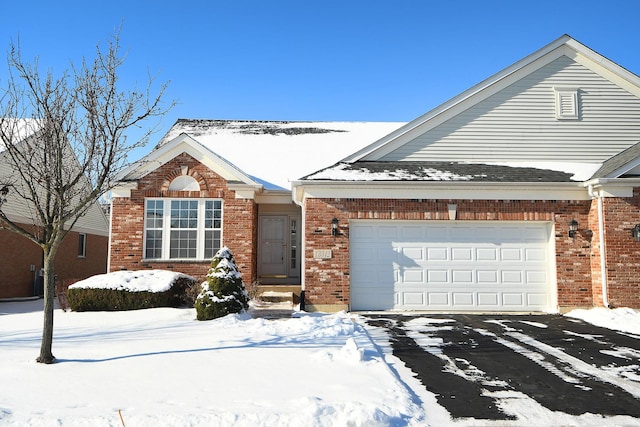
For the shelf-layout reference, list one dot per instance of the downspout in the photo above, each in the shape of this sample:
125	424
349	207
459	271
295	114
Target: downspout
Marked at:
303	238
603	257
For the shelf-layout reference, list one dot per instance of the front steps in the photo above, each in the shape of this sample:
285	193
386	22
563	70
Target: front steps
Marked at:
279	293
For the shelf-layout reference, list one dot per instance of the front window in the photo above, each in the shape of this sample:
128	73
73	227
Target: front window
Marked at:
182	228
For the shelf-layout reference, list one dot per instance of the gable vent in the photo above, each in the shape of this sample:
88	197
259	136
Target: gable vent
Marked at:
567	104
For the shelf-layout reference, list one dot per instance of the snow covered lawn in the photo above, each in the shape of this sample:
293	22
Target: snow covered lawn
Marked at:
160	367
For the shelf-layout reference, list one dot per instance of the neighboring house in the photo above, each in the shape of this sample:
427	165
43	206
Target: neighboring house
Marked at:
83	253
210	183
520	194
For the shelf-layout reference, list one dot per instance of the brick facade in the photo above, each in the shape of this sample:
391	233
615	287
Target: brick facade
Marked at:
239	225
19	253
622	251
578	273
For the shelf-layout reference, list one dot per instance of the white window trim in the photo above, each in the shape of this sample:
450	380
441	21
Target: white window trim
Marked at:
567	96
166	229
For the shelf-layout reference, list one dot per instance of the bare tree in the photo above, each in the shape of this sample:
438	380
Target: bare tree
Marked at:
65	141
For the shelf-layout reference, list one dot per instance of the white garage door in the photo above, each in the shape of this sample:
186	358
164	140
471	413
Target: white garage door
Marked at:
457	266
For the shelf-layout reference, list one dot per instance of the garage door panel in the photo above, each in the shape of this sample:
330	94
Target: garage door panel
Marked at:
425	265
438	299
461	254
535	254
437	254
536	276
513	299
413	276
487	277
414	299
462	276
488	299
512	277
486	254
414	253
461	299
511	255
437	276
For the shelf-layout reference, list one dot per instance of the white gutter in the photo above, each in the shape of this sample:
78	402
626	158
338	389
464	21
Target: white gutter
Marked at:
603	256
303	238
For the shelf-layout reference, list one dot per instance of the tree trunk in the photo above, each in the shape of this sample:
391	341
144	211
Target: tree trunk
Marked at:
46	355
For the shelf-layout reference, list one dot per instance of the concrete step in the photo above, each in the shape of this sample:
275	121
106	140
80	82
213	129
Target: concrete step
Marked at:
275	296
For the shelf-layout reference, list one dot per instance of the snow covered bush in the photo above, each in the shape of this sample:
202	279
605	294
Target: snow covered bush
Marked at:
129	290
224	292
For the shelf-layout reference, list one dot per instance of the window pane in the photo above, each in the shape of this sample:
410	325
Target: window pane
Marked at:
211	243
82	244
154	244
183	244
154	213
184	214
213	214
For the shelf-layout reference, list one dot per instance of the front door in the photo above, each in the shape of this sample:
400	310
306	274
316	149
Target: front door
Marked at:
278	248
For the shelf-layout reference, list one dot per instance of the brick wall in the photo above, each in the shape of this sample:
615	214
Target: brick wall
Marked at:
622	251
239	220
327	281
18	253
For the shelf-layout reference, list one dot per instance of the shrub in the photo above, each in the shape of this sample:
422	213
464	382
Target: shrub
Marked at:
223	293
101	299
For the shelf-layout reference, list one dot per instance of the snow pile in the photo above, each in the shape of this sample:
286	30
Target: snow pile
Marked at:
132	281
619	319
149	366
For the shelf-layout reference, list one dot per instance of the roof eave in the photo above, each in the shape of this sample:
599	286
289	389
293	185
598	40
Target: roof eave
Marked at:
471	190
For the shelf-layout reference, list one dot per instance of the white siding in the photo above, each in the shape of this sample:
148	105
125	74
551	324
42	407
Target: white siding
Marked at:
18	210
519	122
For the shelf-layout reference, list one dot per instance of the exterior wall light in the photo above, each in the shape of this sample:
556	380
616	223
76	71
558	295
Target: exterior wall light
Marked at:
573	227
635	232
334	226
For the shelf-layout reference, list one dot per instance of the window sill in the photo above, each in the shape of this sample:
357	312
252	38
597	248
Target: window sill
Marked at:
176	261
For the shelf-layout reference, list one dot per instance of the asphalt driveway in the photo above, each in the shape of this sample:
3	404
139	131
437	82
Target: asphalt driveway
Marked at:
470	362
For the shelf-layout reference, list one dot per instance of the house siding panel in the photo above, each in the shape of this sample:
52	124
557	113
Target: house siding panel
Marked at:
239	220
519	122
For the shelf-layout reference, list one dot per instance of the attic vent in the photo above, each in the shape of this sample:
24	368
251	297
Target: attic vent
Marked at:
567	104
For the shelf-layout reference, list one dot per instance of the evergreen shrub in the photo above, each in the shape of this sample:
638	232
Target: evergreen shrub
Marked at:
223	292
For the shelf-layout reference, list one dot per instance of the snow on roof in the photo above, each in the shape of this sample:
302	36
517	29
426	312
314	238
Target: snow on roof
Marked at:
279	152
18	129
456	171
132	281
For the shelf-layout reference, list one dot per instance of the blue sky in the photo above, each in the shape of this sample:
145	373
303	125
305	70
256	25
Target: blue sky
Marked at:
374	60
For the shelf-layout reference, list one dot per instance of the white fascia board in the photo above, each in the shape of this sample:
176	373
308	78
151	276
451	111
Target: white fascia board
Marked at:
604	67
245	191
613	187
624	169
123	189
275	197
439	190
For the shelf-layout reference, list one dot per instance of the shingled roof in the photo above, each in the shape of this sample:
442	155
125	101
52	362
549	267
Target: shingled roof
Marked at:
436	171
